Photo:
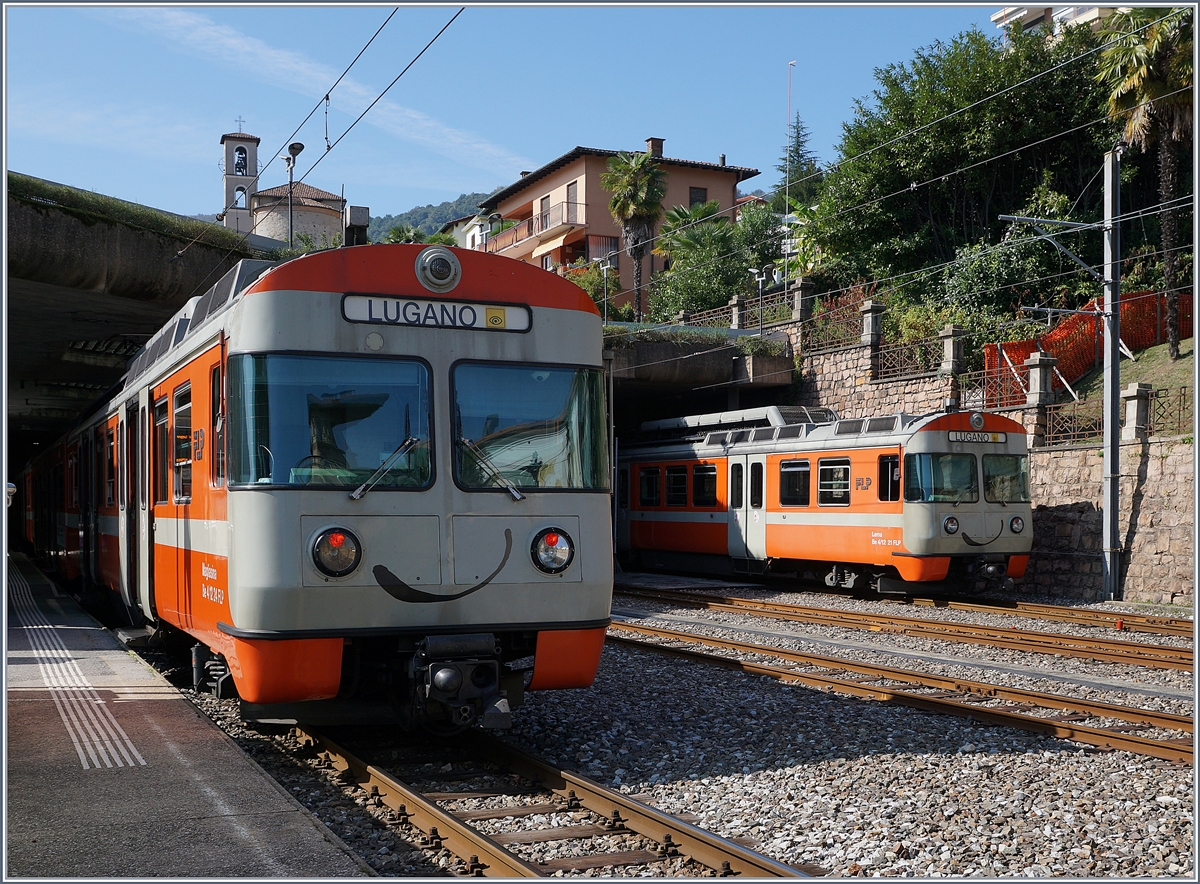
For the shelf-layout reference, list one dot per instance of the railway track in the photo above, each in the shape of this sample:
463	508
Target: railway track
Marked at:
1121	622
529	787
932	693
1105	650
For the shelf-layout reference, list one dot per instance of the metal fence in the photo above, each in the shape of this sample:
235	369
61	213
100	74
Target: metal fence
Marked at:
832	329
991	389
910	358
717	318
776	307
1171	412
1068	422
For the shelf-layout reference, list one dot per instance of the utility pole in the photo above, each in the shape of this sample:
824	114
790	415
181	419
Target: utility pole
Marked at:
1111	509
1110	506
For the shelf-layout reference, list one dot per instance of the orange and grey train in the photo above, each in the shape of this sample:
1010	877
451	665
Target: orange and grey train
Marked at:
883	502
377	473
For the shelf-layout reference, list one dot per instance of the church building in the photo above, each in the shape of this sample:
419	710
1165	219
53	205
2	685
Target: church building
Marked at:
315	213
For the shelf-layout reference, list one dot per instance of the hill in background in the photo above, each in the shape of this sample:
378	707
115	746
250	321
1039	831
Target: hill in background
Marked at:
427	218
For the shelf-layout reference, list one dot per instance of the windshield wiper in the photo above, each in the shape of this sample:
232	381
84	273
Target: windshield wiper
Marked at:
403	448
487	462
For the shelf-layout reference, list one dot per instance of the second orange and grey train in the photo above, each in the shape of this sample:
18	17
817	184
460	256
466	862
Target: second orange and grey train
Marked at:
881	502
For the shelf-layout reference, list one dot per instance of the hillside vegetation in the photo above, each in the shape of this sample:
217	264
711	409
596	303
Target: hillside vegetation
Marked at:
427	219
1152	367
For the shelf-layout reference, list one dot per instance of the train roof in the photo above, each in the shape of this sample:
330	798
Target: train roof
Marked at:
196	313
721	430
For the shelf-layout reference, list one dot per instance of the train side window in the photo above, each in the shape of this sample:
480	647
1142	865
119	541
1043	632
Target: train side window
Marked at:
162	452
794	482
833	482
648	486
756	485
217	455
676	486
704	484
109	469
121	464
183	444
735	487
623	489
889	477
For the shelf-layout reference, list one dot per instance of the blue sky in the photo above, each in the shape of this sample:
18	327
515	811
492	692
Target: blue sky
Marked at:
131	101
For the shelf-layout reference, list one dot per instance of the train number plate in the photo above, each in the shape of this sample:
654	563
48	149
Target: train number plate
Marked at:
958	436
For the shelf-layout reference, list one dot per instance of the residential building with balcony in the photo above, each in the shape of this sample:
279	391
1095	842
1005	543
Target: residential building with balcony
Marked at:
1051	19
557	214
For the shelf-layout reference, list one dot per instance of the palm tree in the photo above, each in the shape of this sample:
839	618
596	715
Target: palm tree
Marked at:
679	222
404	233
1148	70
637	186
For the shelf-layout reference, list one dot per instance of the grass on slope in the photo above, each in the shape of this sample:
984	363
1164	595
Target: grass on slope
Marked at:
1152	366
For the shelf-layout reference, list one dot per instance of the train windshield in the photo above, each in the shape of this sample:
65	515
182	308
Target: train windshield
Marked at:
1006	478
305	421
529	426
940	478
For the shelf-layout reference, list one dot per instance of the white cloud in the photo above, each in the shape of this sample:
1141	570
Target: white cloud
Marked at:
60	116
225	46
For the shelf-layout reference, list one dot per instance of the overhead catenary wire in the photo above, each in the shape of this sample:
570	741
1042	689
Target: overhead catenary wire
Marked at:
846	161
325	101
914	186
216	266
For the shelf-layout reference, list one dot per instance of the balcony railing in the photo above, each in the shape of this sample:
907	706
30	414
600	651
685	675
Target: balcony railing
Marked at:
559	217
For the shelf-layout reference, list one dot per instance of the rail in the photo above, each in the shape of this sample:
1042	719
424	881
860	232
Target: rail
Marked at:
1118	620
952	696
487	856
1106	650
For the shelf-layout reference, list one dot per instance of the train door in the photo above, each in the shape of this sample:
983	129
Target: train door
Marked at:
128	505
747	477
145	520
738	510
87	506
162	510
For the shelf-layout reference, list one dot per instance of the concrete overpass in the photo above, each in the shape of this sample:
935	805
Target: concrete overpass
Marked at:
88	280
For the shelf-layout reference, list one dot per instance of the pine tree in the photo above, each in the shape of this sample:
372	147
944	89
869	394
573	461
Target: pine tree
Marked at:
800	174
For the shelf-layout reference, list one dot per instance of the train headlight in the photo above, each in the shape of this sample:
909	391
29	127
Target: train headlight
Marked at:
336	552
950	525
552	550
1016	524
976	421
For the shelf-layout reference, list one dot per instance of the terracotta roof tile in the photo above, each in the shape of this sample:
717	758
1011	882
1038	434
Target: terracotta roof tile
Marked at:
299	189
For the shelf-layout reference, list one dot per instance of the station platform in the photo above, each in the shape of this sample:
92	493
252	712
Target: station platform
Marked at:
111	773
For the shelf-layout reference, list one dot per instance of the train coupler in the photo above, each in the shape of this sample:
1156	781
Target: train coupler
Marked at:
461	674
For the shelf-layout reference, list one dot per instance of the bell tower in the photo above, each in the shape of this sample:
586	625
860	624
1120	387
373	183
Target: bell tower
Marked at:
241	169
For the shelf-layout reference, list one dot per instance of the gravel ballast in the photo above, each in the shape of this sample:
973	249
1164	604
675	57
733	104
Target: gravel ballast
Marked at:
856	787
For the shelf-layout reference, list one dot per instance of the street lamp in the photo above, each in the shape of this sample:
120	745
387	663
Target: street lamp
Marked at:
760	276
293	151
605	266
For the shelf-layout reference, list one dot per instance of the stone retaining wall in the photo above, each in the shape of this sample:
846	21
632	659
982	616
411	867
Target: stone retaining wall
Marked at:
1155	523
843	380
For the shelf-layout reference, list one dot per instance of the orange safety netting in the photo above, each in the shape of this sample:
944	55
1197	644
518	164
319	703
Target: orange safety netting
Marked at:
1078	341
